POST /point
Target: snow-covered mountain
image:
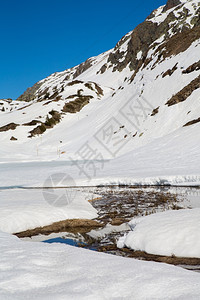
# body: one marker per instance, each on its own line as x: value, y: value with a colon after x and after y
x: 142, y: 97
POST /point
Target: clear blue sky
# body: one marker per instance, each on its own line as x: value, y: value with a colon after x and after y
x: 39, y: 37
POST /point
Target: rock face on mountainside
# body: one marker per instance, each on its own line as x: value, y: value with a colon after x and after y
x: 143, y: 38
x: 170, y: 4
x: 156, y: 64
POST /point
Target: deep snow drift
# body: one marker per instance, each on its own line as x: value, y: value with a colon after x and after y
x: 167, y: 233
x: 21, y: 210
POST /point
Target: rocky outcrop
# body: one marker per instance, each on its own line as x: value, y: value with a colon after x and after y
x: 69, y: 225
x: 145, y: 34
x: 29, y: 94
x: 10, y: 126
x: 77, y: 104
x: 169, y: 72
x: 178, y: 43
x: 170, y: 4
x: 83, y: 67
x: 185, y: 92
x: 192, y: 122
x: 192, y: 68
x: 13, y: 138
x: 49, y: 123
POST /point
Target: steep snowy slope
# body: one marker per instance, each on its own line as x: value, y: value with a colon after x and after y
x: 144, y: 92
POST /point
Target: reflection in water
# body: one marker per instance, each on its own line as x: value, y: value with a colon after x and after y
x: 116, y: 206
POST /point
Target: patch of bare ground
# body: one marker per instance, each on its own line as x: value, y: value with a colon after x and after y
x: 155, y: 111
x: 49, y: 123
x: 70, y: 225
x: 74, y: 82
x: 185, y: 92
x: 77, y: 104
x: 192, y: 68
x: 169, y: 72
x: 192, y: 122
x: 13, y: 138
x: 10, y: 126
x: 32, y: 123
x: 83, y: 67
x: 174, y: 260
x: 180, y: 42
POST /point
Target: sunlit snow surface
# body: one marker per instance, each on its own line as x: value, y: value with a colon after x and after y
x: 167, y: 233
x: 41, y: 271
x: 27, y: 209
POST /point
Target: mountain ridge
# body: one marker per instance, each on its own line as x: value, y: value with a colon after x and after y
x: 153, y: 70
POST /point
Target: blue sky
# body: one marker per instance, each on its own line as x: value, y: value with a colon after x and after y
x: 39, y: 37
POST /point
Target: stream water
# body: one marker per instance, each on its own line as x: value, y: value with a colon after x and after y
x: 116, y: 206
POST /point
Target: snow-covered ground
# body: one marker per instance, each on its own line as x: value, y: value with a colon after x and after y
x: 21, y: 210
x: 166, y: 233
x: 171, y: 159
x: 42, y: 271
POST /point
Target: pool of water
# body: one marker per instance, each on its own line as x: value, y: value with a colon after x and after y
x: 71, y: 242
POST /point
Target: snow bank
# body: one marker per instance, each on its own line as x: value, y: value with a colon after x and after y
x: 42, y: 271
x: 166, y: 233
x: 27, y: 209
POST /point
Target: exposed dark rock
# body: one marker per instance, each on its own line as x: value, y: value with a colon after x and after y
x: 178, y: 43
x: 55, y: 115
x: 74, y: 82
x: 89, y: 86
x: 99, y: 89
x: 169, y: 72
x: 196, y: 19
x: 37, y: 131
x: 77, y: 104
x: 67, y: 78
x: 46, y: 103
x: 103, y: 69
x: 192, y: 68
x: 192, y: 122
x: 10, y: 126
x: 49, y: 123
x: 144, y: 36
x: 170, y: 4
x: 83, y: 67
x: 54, y: 95
x: 155, y: 111
x: 32, y: 123
x: 185, y: 92
x: 29, y: 94
x: 72, y: 96
x: 13, y: 138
